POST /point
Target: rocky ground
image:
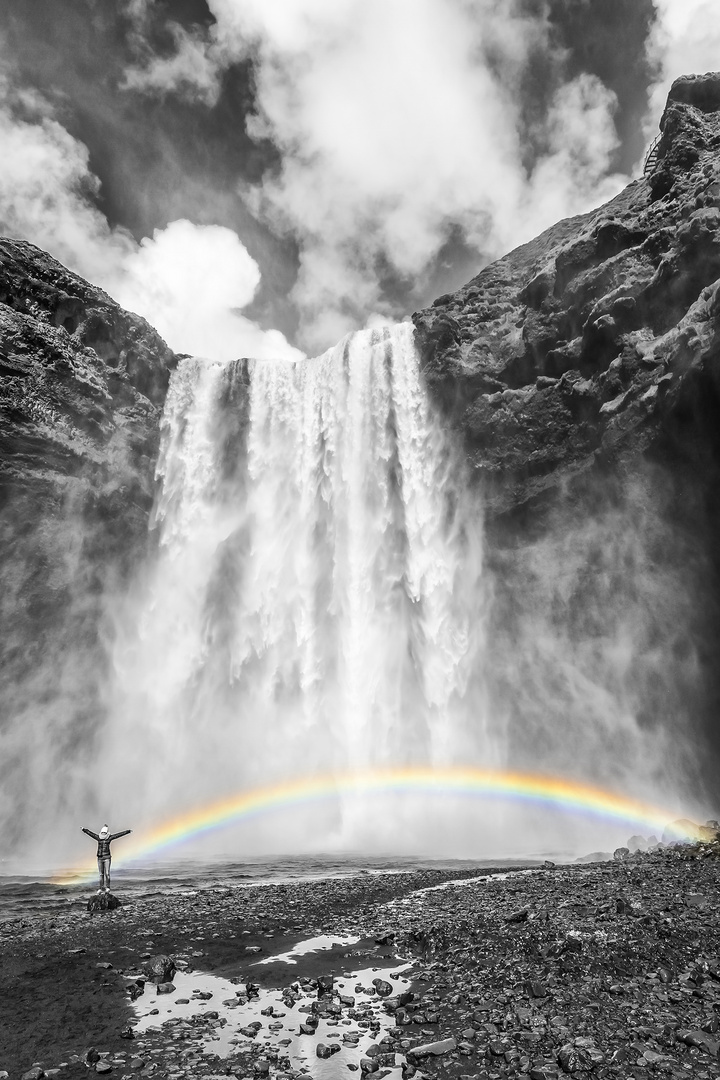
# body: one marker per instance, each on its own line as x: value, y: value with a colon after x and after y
x: 607, y: 969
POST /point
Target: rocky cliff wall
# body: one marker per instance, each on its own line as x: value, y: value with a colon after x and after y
x: 581, y: 374
x: 600, y: 337
x: 82, y: 385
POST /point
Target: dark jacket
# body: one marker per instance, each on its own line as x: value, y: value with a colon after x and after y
x: 103, y: 850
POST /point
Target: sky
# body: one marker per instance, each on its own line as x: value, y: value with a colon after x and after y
x: 258, y: 178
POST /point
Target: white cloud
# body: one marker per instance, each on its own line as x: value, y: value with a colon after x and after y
x: 581, y: 136
x: 394, y: 127
x: 189, y: 281
x: 684, y: 41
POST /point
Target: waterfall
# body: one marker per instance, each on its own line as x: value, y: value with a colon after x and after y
x: 317, y: 602
x: 318, y: 605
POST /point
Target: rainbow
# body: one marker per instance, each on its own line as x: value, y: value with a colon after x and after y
x: 566, y: 795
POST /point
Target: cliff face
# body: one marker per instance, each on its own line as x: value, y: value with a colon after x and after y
x: 82, y: 384
x: 581, y: 374
x: 600, y: 337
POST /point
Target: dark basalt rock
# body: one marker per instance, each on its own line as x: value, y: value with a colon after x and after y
x: 104, y: 901
x: 82, y: 385
x: 589, y: 342
x: 160, y: 969
x: 580, y: 375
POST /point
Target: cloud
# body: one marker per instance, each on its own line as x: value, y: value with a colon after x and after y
x: 189, y: 281
x: 193, y: 70
x: 685, y: 41
x: 398, y: 123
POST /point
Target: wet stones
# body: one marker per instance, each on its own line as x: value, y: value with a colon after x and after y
x: 160, y: 969
x: 434, y: 1049
x: 326, y: 1050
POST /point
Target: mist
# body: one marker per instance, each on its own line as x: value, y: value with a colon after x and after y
x: 325, y: 599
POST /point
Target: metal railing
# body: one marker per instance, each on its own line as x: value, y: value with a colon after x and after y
x: 652, y: 156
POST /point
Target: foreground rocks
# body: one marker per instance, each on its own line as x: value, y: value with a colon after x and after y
x: 614, y: 971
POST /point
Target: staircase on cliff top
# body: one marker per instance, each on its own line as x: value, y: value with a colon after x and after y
x: 652, y: 156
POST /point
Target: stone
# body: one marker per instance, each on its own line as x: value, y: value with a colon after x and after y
x: 160, y: 968
x: 33, y: 1074
x: 434, y: 1049
x: 165, y: 988
x: 382, y: 987
x: 103, y: 1067
x: 682, y: 830
x: 326, y: 1050
x: 574, y: 1059
x: 325, y: 984
x: 127, y: 1032
x: 102, y: 902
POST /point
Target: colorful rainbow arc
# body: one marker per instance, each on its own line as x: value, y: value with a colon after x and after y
x: 548, y: 791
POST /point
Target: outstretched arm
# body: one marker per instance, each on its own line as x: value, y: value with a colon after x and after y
x: 114, y: 836
x: 90, y: 833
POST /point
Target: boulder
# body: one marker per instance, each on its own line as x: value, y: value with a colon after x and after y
x: 681, y: 831
x: 101, y: 902
x: 160, y: 969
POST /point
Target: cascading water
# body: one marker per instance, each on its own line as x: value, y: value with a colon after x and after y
x: 318, y: 605
x: 318, y: 602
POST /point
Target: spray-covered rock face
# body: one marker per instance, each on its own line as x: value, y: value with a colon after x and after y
x: 81, y: 389
x: 581, y: 375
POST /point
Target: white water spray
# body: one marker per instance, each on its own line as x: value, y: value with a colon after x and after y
x: 317, y: 602
x: 319, y: 605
